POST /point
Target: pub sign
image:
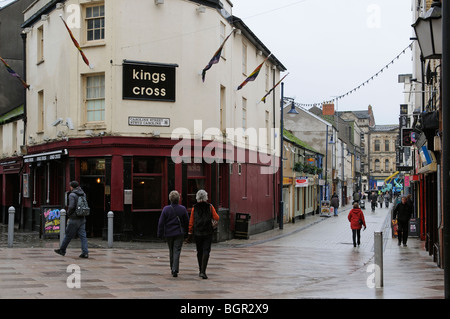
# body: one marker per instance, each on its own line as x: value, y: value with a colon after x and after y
x: 148, y: 81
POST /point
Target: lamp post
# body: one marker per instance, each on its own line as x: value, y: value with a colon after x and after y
x: 292, y: 112
x: 429, y: 32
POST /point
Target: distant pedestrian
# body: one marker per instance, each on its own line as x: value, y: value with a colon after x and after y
x: 200, y: 226
x: 402, y: 212
x: 373, y: 200
x: 335, y: 203
x: 76, y: 224
x: 380, y: 200
x: 356, y: 219
x: 173, y: 226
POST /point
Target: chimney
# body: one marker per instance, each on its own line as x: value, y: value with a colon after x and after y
x: 328, y: 109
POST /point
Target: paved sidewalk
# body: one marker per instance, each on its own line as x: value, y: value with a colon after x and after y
x: 313, y: 258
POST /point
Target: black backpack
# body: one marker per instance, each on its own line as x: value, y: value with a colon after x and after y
x: 82, y: 209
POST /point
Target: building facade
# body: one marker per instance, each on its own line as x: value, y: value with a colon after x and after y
x: 138, y: 121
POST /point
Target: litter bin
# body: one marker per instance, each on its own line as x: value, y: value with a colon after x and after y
x: 242, y: 226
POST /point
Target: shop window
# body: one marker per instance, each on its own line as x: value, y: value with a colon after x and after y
x: 147, y: 183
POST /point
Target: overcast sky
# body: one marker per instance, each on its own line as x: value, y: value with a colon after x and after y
x: 332, y: 46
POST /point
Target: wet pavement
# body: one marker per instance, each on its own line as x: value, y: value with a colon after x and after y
x: 312, y: 258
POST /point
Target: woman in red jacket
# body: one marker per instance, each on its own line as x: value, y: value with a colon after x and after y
x: 356, y: 219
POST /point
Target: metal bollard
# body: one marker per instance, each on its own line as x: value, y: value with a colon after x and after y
x: 12, y: 212
x: 110, y: 229
x: 62, y: 225
x: 378, y: 247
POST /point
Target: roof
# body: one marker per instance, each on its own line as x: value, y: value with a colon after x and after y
x: 238, y: 23
x: 293, y: 139
x: 385, y: 128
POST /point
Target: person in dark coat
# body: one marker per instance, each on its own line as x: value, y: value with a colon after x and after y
x: 335, y: 203
x: 173, y: 225
x: 402, y: 212
x: 75, y: 225
x: 200, y: 226
x: 356, y: 219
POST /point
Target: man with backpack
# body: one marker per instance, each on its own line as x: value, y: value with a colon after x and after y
x: 77, y: 211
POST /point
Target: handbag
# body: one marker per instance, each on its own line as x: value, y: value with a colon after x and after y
x: 214, y: 223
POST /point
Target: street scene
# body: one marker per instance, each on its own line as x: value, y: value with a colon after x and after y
x: 313, y: 258
x: 224, y: 150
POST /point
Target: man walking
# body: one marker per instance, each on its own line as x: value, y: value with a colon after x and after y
x: 402, y: 212
x: 76, y: 224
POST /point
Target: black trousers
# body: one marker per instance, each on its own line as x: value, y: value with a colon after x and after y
x: 203, y: 245
x: 402, y: 232
x: 356, y: 235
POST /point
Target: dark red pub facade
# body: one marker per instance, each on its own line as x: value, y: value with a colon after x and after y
x: 132, y: 177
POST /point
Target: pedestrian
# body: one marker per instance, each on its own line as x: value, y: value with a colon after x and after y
x: 386, y: 199
x: 373, y: 200
x: 356, y: 219
x: 335, y: 203
x: 201, y: 228
x: 380, y: 200
x: 76, y: 224
x: 356, y: 196
x: 402, y: 212
x: 173, y: 225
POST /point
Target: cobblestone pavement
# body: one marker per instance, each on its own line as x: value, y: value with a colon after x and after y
x: 312, y: 258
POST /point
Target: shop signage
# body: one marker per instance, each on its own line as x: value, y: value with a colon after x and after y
x: 51, y: 222
x: 44, y: 157
x: 148, y: 121
x: 148, y: 81
x: 301, y: 181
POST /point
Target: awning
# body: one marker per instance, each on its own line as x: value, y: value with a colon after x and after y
x: 44, y: 157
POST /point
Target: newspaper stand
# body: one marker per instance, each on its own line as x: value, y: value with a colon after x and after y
x: 326, y: 209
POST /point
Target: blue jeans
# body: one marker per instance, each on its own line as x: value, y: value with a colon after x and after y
x: 75, y: 226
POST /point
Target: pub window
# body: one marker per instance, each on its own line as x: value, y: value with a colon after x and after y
x: 244, y: 58
x: 40, y: 44
x: 95, y: 98
x: 95, y: 23
x: 147, y: 183
x: 196, y: 180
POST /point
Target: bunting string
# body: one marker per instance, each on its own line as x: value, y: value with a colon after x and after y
x: 336, y: 98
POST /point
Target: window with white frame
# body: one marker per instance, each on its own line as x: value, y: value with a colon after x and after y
x: 95, y: 98
x: 95, y: 23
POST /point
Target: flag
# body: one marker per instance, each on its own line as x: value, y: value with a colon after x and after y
x: 254, y: 74
x: 268, y: 93
x: 77, y: 45
x: 216, y: 57
x: 14, y: 74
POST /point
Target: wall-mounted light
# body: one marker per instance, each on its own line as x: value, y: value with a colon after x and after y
x: 45, y: 17
x: 201, y: 9
x: 159, y: 1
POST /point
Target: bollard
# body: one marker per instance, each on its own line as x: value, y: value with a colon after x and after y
x: 378, y: 247
x: 11, y: 212
x: 110, y: 229
x: 62, y: 226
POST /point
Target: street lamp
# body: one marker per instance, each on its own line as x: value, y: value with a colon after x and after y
x: 429, y: 32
